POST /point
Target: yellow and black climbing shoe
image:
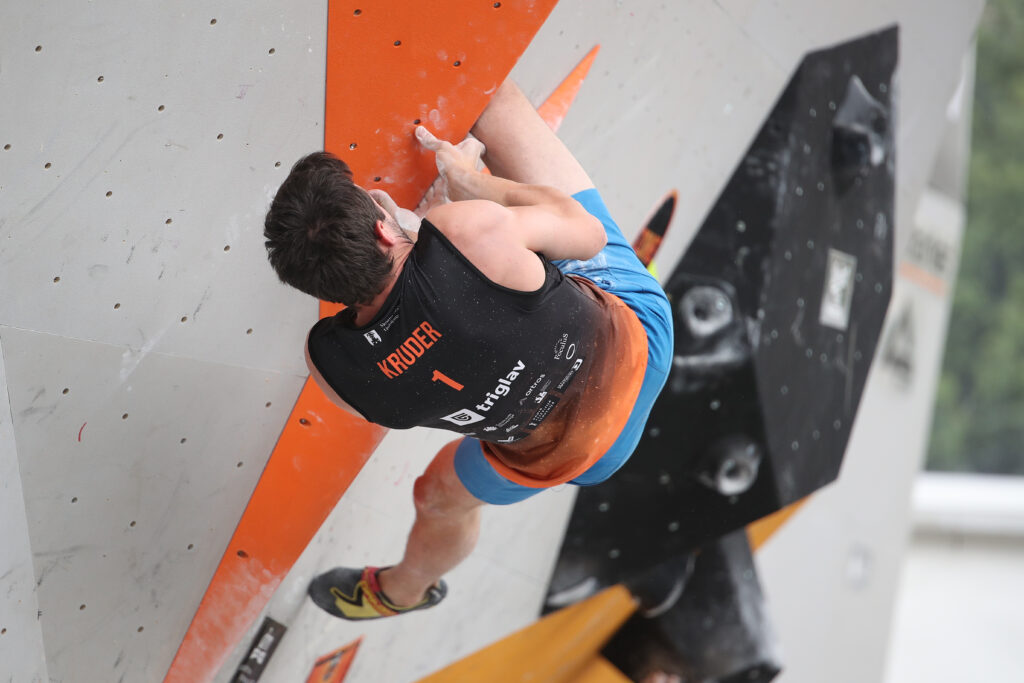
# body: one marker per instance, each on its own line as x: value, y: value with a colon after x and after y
x: 355, y: 594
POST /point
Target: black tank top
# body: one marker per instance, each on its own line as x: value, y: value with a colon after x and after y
x: 453, y: 350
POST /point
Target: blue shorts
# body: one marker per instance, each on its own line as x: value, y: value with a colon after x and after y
x: 615, y: 269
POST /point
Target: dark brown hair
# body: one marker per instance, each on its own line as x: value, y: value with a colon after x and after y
x: 320, y: 236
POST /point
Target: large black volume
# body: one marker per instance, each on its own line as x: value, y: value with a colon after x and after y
x: 778, y: 305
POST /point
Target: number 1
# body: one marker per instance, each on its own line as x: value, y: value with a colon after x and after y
x: 440, y: 376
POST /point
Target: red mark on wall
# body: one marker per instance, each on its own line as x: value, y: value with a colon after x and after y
x: 80, y: 432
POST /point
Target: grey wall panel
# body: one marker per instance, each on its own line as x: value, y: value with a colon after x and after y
x: 133, y: 481
x: 189, y: 132
x: 679, y: 89
x: 676, y: 94
x: 21, y: 640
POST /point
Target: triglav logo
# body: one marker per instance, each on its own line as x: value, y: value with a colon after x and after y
x: 503, y: 387
x: 372, y: 337
x: 463, y: 417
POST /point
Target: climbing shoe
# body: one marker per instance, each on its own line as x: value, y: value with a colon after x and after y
x: 355, y: 594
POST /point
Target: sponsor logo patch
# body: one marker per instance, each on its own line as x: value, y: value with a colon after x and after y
x: 463, y: 417
x: 569, y: 376
x: 542, y: 412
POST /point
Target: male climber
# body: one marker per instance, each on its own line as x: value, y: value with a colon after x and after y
x: 517, y: 316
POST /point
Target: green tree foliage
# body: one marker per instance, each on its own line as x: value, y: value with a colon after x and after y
x: 979, y: 415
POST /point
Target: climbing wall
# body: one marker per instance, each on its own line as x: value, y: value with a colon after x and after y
x: 151, y: 361
x: 150, y: 356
